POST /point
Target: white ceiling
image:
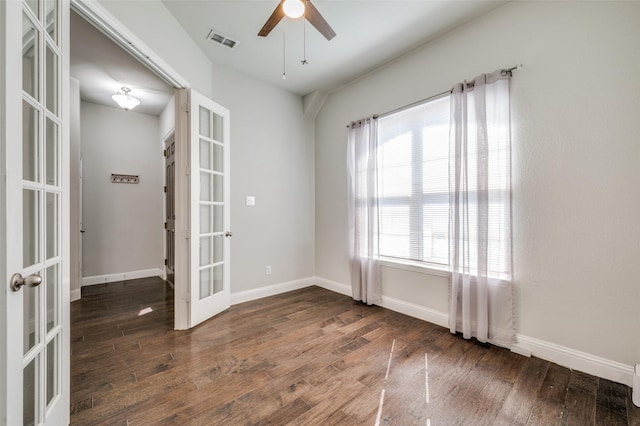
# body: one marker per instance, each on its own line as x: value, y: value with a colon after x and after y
x: 370, y: 33
x: 103, y: 68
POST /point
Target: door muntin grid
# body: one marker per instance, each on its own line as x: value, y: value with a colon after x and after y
x: 211, y: 203
x: 41, y: 208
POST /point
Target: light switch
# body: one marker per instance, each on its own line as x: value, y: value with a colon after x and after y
x: 251, y: 200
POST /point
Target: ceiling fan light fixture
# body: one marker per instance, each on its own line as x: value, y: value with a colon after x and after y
x: 293, y: 8
x: 126, y: 101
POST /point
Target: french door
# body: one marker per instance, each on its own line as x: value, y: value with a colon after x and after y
x: 35, y: 270
x: 209, y: 225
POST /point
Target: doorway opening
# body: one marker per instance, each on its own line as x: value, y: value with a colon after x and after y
x: 118, y: 226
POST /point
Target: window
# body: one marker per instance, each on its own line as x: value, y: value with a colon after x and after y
x: 413, y: 167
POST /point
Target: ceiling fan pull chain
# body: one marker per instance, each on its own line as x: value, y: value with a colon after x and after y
x: 304, y: 43
x: 284, y: 57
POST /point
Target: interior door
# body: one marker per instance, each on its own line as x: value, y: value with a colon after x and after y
x: 170, y: 210
x: 209, y: 225
x: 36, y: 200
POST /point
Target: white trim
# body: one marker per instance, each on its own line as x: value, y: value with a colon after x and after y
x: 575, y: 360
x: 75, y: 295
x: 181, y: 316
x: 110, y: 278
x: 526, y: 346
x: 397, y: 305
x: 416, y: 311
x: 333, y: 286
x: 123, y: 37
x: 270, y: 290
x: 420, y: 267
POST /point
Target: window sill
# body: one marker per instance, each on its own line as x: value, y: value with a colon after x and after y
x: 407, y: 265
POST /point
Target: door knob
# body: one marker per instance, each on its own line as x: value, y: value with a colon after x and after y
x: 228, y: 234
x: 17, y: 281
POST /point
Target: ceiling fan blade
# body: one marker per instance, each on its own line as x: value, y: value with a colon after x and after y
x: 315, y: 18
x: 273, y: 20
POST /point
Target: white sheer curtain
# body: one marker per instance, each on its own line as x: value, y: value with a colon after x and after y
x: 481, y: 293
x: 364, y: 239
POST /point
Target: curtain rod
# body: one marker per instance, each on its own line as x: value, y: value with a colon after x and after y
x: 503, y: 72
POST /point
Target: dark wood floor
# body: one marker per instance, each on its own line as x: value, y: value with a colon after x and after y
x: 309, y: 357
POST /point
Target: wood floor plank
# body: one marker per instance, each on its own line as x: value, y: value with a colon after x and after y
x: 580, y: 408
x: 506, y: 364
x: 549, y: 406
x: 580, y: 403
x: 308, y: 357
x: 611, y: 403
x: 519, y: 404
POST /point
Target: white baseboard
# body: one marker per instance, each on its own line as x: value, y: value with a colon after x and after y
x: 132, y: 275
x: 333, y: 286
x: 397, y: 305
x: 270, y: 290
x: 527, y: 346
x: 75, y: 295
x: 416, y: 311
x: 575, y: 360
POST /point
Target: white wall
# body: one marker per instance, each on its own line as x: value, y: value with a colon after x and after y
x: 123, y: 222
x: 576, y: 150
x: 167, y: 120
x: 272, y: 158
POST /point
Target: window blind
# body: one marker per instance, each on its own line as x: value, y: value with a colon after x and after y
x: 413, y: 182
x: 413, y: 170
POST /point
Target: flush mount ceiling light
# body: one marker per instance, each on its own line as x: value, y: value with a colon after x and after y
x: 293, y: 8
x: 126, y: 101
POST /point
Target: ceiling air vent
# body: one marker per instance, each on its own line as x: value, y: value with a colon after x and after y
x: 216, y: 37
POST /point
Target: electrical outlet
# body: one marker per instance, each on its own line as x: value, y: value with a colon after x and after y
x: 251, y: 200
x: 268, y: 270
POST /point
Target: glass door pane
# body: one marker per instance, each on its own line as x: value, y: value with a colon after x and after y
x: 51, y: 152
x: 53, y: 296
x: 30, y: 304
x: 30, y: 142
x: 51, y: 19
x: 29, y: 409
x: 52, y: 370
x: 51, y: 225
x: 30, y: 75
x: 51, y: 80
x: 30, y: 227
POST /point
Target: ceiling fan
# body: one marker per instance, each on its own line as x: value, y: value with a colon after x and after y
x: 296, y: 9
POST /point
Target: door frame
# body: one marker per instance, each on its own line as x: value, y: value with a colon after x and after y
x: 95, y: 14
x: 182, y: 197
